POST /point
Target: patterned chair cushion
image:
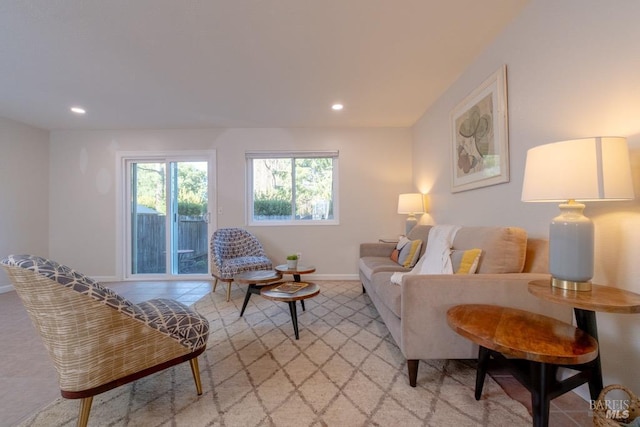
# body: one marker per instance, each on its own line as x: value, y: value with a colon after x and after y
x: 233, y: 266
x: 72, y: 279
x: 190, y: 327
x: 169, y: 317
x: 235, y: 250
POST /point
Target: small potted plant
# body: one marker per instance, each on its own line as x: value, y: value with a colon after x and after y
x: 292, y: 261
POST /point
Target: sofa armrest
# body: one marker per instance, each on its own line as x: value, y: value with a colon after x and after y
x: 376, y: 249
x: 426, y: 299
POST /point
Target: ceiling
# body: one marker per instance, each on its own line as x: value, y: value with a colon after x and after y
x: 236, y: 63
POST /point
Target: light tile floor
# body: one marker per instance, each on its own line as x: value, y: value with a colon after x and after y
x: 28, y: 381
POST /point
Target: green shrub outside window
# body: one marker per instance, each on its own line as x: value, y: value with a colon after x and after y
x: 292, y: 187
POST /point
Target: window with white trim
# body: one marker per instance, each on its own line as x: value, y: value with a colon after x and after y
x: 292, y: 188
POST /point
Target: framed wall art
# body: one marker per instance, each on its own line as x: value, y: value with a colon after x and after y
x: 480, y: 141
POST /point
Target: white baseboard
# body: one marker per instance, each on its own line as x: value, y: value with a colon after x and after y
x: 331, y: 277
x: 5, y: 288
x: 107, y: 279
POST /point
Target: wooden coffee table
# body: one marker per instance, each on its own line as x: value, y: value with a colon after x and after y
x: 309, y: 291
x: 537, y: 346
x: 255, y: 279
x: 296, y: 272
x: 301, y: 269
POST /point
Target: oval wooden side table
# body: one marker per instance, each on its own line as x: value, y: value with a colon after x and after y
x: 536, y: 347
x: 585, y: 304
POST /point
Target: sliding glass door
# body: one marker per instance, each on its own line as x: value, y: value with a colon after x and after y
x: 168, y: 216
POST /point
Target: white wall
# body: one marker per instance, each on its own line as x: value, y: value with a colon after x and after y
x: 573, y: 71
x: 374, y: 167
x: 24, y: 193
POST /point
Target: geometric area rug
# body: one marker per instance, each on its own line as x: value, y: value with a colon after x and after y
x: 345, y: 370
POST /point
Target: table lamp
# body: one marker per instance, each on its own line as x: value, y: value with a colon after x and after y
x: 411, y: 204
x: 579, y: 170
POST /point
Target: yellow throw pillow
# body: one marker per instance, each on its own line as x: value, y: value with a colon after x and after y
x: 409, y: 253
x: 465, y: 262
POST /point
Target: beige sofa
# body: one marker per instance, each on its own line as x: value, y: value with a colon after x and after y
x: 415, y: 311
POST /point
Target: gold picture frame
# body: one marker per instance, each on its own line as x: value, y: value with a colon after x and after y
x: 480, y: 140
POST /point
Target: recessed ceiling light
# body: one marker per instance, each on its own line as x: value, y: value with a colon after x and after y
x: 337, y: 107
x: 78, y: 110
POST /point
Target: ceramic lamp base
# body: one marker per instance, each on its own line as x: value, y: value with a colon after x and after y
x: 411, y: 222
x: 571, y: 248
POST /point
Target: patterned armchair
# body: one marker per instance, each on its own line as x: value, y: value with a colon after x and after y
x: 97, y: 339
x: 234, y: 250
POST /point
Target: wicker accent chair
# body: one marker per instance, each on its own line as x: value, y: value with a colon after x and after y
x: 234, y: 250
x: 97, y: 339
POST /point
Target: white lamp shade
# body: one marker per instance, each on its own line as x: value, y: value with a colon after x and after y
x: 586, y: 169
x: 410, y: 203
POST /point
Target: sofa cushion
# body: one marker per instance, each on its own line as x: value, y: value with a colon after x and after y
x: 387, y: 292
x: 373, y: 264
x: 420, y: 232
x: 537, y: 256
x: 503, y: 248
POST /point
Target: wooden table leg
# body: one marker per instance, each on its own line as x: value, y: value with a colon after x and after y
x: 586, y: 320
x: 296, y: 278
x: 483, y: 363
x: 294, y: 317
x: 542, y: 378
x: 252, y: 289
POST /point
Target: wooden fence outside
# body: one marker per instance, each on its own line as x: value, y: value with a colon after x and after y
x: 193, y: 243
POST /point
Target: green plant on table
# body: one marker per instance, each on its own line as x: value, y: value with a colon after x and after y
x: 293, y: 257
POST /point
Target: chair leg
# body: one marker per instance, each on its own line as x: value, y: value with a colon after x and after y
x: 229, y: 291
x: 215, y: 284
x: 85, y: 409
x: 195, y: 370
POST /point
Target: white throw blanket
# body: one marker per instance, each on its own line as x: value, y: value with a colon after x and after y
x: 437, y: 256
